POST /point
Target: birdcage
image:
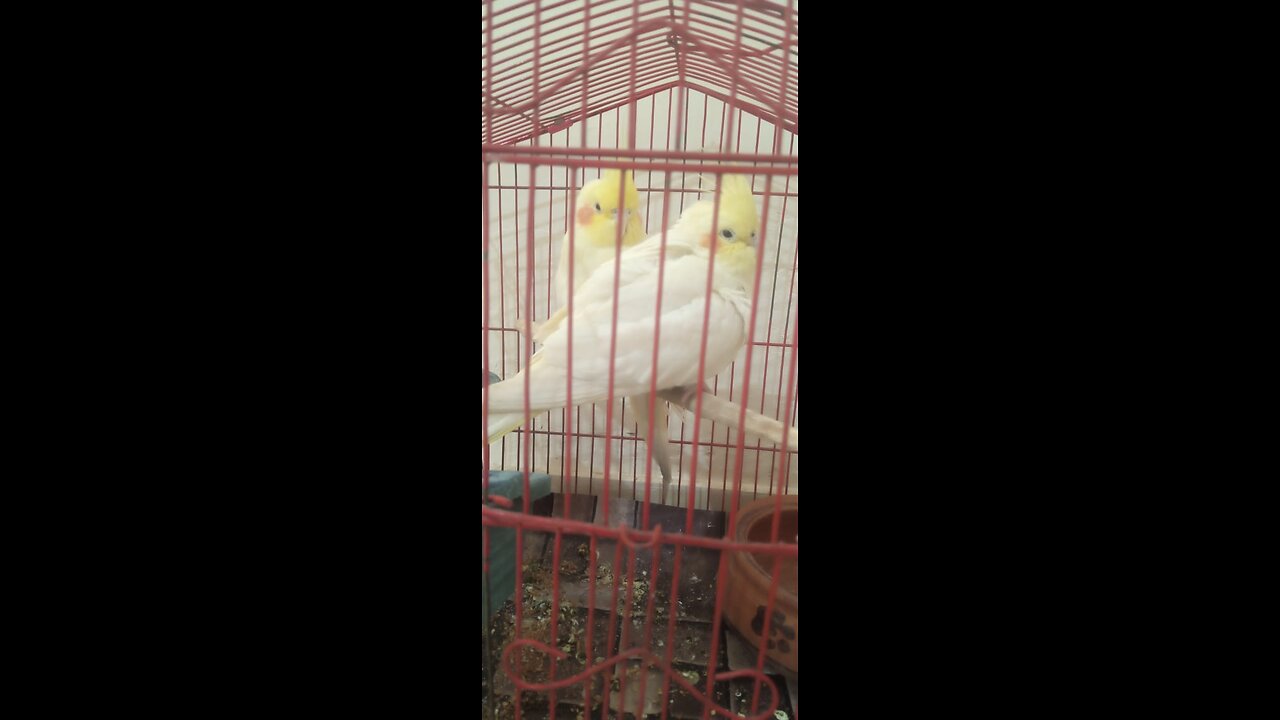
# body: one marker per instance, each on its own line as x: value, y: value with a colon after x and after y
x: 604, y: 596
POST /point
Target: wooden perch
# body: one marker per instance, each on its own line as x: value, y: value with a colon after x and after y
x: 724, y: 411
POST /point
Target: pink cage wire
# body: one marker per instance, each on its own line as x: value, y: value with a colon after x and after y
x: 571, y: 88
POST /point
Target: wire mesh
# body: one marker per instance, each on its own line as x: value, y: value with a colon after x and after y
x: 678, y: 92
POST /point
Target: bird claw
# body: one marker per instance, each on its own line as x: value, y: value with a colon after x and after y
x: 520, y: 328
x: 689, y: 396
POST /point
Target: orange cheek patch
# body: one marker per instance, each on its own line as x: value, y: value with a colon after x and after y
x: 584, y: 215
x: 706, y: 241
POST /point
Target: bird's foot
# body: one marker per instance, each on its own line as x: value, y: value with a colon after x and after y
x: 689, y: 395
x: 527, y: 332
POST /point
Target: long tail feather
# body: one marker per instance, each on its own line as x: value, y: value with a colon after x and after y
x: 724, y: 411
x: 502, y: 424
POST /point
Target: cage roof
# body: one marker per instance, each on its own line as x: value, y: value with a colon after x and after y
x: 540, y: 76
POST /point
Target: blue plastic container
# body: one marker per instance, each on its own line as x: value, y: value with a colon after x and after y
x: 502, y: 541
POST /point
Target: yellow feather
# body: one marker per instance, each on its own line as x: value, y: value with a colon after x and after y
x: 605, y: 192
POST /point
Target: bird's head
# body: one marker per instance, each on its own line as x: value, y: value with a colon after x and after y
x: 597, y: 207
x: 737, y: 223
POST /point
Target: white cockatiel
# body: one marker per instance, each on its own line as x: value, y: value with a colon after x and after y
x: 596, y: 215
x: 597, y: 212
x: 684, y: 302
x: 595, y: 219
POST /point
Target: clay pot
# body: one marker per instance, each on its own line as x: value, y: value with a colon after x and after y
x: 750, y: 575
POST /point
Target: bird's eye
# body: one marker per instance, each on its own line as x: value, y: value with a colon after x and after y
x: 726, y: 234
x: 597, y: 207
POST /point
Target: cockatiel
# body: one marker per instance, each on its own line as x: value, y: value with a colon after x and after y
x: 596, y: 214
x: 684, y: 297
x: 595, y: 242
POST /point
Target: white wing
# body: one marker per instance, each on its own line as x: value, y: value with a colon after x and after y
x: 684, y: 304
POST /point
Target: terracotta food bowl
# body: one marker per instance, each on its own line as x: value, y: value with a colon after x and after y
x: 750, y: 575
